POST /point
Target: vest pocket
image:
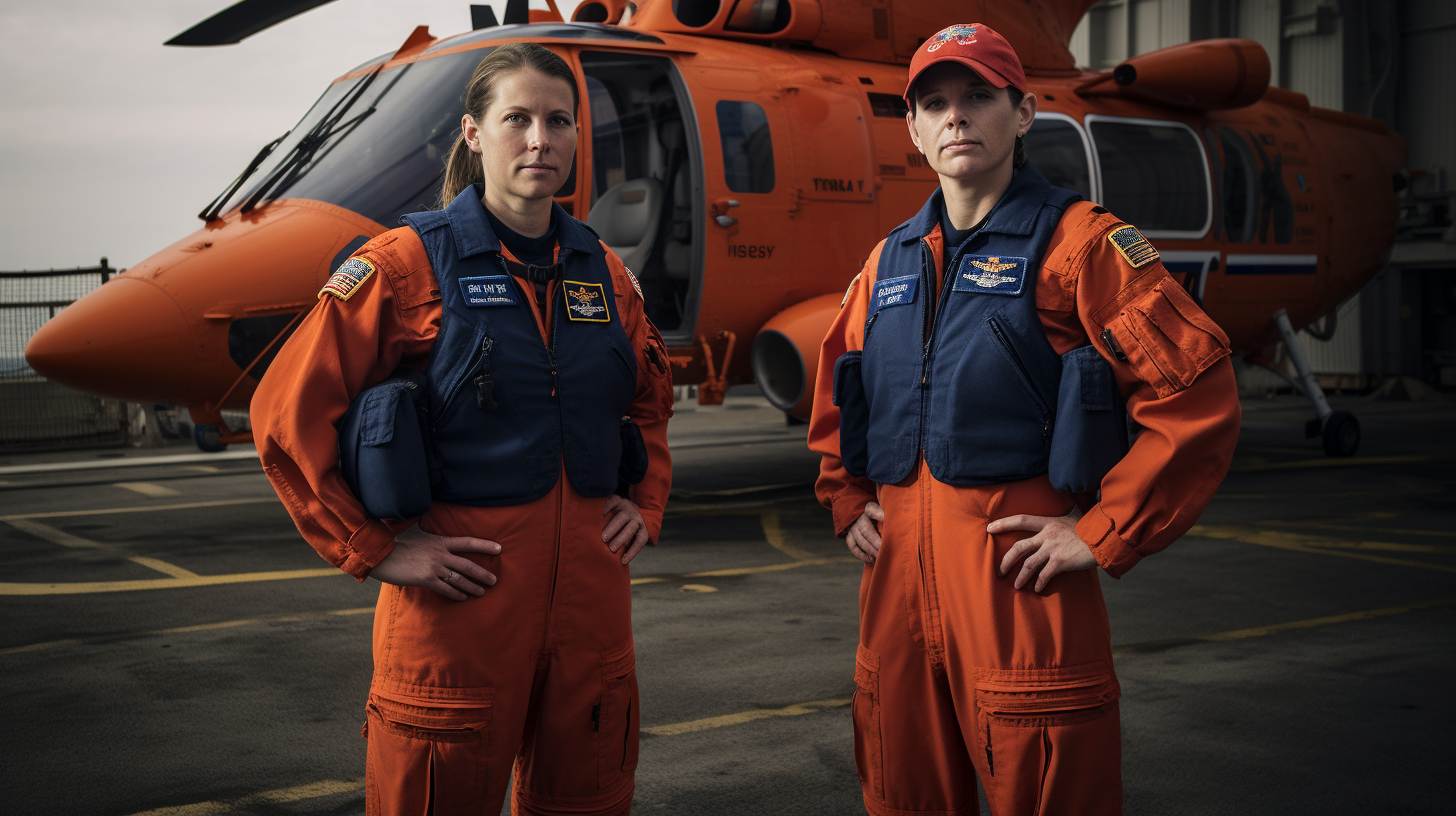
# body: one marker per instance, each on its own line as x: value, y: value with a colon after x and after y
x: 1089, y: 436
x: 477, y: 373
x: 1008, y: 350
x: 427, y: 749
x: 854, y: 413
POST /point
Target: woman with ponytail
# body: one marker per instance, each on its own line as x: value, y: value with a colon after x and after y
x: 539, y: 393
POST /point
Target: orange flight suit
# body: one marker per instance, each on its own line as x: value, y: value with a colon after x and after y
x: 540, y: 668
x: 958, y: 671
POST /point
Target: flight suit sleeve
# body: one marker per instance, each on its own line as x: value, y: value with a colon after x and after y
x: 354, y: 337
x: 844, y: 495
x: 652, y: 405
x: 1172, y: 364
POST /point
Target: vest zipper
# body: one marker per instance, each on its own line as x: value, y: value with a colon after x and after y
x: 932, y: 316
x: 1005, y: 342
x: 484, y: 382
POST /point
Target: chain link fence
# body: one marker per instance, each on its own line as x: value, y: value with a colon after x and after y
x: 36, y: 414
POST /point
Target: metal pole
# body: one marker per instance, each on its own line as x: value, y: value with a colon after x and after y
x: 1301, y: 365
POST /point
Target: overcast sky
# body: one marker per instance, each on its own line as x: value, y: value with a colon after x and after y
x: 110, y: 142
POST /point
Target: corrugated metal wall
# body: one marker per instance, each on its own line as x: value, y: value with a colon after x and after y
x: 1314, y: 64
x: 1424, y: 97
x: 1261, y: 21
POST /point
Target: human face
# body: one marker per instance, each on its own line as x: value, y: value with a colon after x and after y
x: 966, y: 128
x: 526, y: 139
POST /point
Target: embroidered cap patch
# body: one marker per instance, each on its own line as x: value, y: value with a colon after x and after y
x: 347, y: 279
x: 990, y: 275
x: 1133, y: 247
x: 586, y: 302
x: 895, y: 292
x: 487, y: 290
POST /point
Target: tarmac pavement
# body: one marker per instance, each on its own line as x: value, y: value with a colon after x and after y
x: 173, y: 647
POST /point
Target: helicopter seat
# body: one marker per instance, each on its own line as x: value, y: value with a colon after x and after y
x: 627, y: 218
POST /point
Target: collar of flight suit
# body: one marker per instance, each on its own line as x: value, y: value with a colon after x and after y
x: 1014, y: 214
x: 473, y: 234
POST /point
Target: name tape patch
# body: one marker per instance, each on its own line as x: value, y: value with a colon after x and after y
x: 990, y: 275
x: 347, y: 279
x: 1133, y: 247
x: 487, y: 290
x: 586, y: 302
x: 895, y: 292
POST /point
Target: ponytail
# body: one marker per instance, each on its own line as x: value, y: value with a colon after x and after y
x: 463, y: 167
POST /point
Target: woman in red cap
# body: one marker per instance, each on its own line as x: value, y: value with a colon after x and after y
x: 970, y: 400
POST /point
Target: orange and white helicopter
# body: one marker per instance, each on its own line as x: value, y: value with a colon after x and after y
x: 743, y: 157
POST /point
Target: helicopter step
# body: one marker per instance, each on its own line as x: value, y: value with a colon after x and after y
x: 1340, y: 429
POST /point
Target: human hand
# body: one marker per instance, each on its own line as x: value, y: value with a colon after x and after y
x: 863, y: 537
x: 434, y: 562
x: 625, y: 529
x: 1055, y: 548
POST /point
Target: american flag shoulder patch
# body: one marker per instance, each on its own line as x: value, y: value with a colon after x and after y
x: 347, y: 279
x: 1132, y: 246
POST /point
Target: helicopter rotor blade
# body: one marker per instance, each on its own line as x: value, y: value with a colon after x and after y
x: 482, y: 17
x: 518, y: 12
x: 242, y: 20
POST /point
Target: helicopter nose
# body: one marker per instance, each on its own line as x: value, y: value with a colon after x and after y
x: 117, y: 342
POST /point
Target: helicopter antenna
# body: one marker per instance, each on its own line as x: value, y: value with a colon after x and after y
x: 482, y: 17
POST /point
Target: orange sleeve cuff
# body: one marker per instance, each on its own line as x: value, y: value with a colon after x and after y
x: 1113, y: 555
x: 367, y: 546
x: 848, y: 505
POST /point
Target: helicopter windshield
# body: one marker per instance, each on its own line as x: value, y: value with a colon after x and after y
x: 386, y: 155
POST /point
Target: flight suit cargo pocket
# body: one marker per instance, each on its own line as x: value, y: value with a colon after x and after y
x: 1168, y: 340
x: 1089, y: 436
x: 427, y: 751
x: 868, y: 745
x: 854, y: 413
x: 1025, y: 717
x: 617, y: 721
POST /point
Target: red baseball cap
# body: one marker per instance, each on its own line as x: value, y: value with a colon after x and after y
x: 975, y: 46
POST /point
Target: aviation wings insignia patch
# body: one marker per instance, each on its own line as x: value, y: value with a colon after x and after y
x: 991, y: 275
x: 1132, y: 246
x: 586, y: 302
x: 347, y: 279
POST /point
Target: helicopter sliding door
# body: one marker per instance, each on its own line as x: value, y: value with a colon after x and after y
x: 646, y: 180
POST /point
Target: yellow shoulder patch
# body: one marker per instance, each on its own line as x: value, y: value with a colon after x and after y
x: 347, y: 279
x: 849, y: 289
x: 1132, y: 246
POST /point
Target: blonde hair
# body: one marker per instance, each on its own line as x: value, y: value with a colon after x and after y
x: 463, y: 168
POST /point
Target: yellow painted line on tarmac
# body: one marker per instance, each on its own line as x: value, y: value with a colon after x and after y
x: 708, y: 723
x: 1264, y: 631
x: 807, y: 562
x: 1329, y: 462
x: 1294, y: 542
x: 249, y: 804
x: 106, y: 511
x: 65, y: 539
x: 155, y: 491
x: 200, y: 627
x: 773, y: 530
x: 1405, y: 531
x: 94, y: 587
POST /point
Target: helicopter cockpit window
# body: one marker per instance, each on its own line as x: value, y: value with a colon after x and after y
x: 748, y: 162
x: 1055, y: 148
x: 1239, y: 188
x: 645, y: 178
x: 1153, y: 175
x: 383, y: 153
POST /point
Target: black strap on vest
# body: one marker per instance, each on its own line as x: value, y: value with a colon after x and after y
x: 538, y: 275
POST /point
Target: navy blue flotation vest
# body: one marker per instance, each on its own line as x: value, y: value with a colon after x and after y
x: 974, y: 382
x: 505, y: 408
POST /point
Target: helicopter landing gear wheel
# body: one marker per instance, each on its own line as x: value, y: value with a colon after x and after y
x: 1342, y: 434
x: 208, y: 438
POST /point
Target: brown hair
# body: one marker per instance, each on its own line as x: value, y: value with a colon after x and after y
x: 463, y: 169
